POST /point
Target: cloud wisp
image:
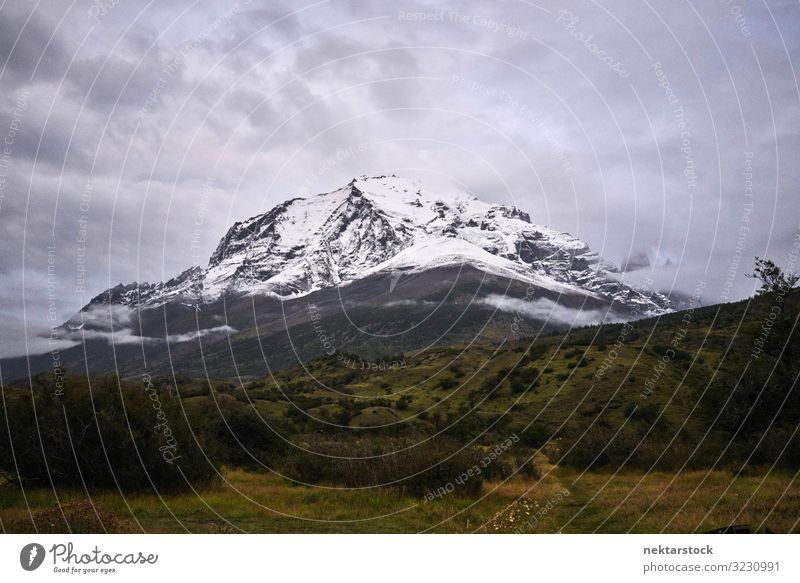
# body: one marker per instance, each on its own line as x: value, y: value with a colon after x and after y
x: 547, y: 310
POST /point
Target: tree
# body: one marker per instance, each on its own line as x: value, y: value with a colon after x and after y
x: 772, y: 277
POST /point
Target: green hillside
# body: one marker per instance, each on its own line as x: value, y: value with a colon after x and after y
x: 631, y: 388
x: 698, y: 403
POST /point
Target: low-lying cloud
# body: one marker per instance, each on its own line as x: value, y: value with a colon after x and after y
x: 548, y: 310
x: 122, y: 336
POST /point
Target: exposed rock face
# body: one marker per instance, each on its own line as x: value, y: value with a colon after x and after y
x: 384, y: 223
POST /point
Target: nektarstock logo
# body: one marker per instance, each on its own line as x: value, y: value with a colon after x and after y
x: 31, y: 556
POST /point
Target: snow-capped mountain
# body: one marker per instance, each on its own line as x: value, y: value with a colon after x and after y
x: 386, y: 224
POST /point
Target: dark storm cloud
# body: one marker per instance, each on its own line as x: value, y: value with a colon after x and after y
x: 27, y: 48
x: 148, y: 129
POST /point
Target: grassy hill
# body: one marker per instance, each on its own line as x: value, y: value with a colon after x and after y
x: 699, y: 405
x: 677, y: 378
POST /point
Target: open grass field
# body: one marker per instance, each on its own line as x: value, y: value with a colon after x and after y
x: 563, y: 500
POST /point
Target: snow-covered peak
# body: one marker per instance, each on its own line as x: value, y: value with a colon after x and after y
x: 394, y: 193
x: 385, y: 223
x: 409, y: 200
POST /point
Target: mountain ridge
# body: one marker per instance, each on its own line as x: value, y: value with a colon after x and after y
x: 386, y: 224
x: 379, y: 266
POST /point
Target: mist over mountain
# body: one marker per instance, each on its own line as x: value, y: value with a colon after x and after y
x: 379, y: 266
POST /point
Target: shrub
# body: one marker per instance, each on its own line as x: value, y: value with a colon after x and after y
x: 447, y: 383
x: 456, y: 370
x: 112, y: 435
x: 517, y: 386
x: 414, y: 468
x: 238, y: 436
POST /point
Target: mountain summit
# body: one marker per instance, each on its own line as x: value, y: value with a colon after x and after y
x: 379, y: 267
x: 385, y: 224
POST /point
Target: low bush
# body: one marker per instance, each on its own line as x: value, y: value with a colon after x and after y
x: 416, y: 469
x: 116, y: 435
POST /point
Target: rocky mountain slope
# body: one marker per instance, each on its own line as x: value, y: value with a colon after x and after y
x: 379, y: 267
x: 384, y: 224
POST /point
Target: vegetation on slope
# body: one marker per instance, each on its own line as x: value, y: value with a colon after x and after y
x: 711, y: 389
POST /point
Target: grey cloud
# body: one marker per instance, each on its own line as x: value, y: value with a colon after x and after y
x: 26, y: 47
x: 500, y: 116
x: 548, y: 310
x: 128, y: 336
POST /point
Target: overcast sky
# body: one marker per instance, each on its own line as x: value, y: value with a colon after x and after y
x: 649, y: 129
